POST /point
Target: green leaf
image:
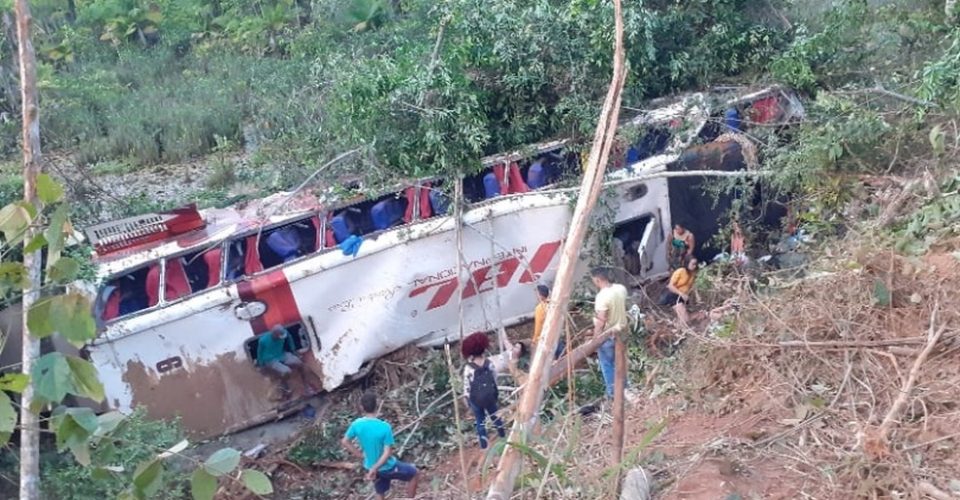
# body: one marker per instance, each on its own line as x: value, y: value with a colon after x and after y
x: 880, y: 293
x: 51, y: 377
x: 69, y: 315
x: 39, y: 318
x: 203, y: 485
x: 56, y: 375
x: 257, y: 482
x: 14, y: 220
x: 14, y: 382
x: 937, y: 140
x: 148, y: 477
x: 13, y: 277
x: 74, y: 428
x: 222, y: 462
x: 65, y: 270
x: 108, y: 422
x: 48, y: 190
x: 39, y: 241
x: 55, y: 234
x: 86, y: 382
x: 8, y: 417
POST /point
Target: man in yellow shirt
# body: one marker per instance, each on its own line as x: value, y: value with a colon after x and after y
x: 610, y: 320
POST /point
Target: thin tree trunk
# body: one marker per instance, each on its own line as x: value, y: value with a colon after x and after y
x: 619, y: 386
x: 532, y: 397
x: 29, y: 104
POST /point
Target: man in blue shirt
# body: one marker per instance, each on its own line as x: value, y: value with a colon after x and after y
x: 375, y: 440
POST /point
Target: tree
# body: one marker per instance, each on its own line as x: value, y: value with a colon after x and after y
x: 29, y: 105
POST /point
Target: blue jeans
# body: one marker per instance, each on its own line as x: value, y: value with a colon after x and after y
x: 606, y: 354
x: 561, y: 346
x: 481, y: 415
x: 401, y: 471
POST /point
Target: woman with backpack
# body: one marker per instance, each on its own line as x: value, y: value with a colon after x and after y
x: 480, y: 384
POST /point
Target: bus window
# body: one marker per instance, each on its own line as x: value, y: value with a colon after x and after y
x: 370, y: 216
x: 288, y: 242
x: 128, y: 293
x: 192, y: 273
x: 433, y: 200
x: 243, y: 258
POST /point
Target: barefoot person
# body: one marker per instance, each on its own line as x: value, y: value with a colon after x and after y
x: 679, y: 288
x: 681, y: 246
x: 480, y: 390
x: 371, y: 439
x: 275, y: 352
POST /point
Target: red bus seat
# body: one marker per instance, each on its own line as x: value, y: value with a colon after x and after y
x: 112, y: 308
x: 153, y: 285
x: 251, y: 261
x: 212, y: 259
x: 176, y: 284
x: 517, y: 185
x: 426, y: 211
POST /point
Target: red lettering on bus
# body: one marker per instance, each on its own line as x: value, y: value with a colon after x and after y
x: 481, y: 279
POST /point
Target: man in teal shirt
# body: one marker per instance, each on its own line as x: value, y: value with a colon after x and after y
x: 375, y: 439
x: 275, y: 353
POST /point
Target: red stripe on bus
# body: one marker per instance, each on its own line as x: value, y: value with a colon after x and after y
x: 274, y: 291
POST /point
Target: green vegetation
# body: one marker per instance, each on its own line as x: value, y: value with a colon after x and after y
x: 134, y: 441
x: 426, y: 87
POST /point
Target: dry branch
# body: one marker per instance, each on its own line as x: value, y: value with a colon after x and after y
x: 876, y: 442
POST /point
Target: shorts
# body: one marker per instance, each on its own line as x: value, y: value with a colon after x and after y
x: 401, y: 471
x: 282, y: 366
x: 671, y: 298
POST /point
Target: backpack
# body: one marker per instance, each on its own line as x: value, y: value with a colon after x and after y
x: 483, y: 387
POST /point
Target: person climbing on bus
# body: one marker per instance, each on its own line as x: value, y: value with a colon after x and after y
x: 480, y: 390
x: 681, y: 246
x: 275, y: 352
x: 371, y: 439
x: 679, y: 288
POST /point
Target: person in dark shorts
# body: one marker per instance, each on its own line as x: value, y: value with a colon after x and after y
x: 371, y: 439
x: 679, y: 288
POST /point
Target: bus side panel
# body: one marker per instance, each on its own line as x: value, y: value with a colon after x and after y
x: 190, y: 364
x: 366, y: 307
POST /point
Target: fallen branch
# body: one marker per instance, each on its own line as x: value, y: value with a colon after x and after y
x: 876, y: 442
x: 932, y: 441
x: 932, y: 491
x: 841, y: 344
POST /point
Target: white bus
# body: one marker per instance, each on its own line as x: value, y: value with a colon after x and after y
x: 184, y: 294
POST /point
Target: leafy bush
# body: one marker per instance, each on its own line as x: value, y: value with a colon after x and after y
x: 138, y: 439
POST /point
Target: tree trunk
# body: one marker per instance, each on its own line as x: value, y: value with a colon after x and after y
x: 29, y: 105
x: 619, y: 385
x: 532, y: 397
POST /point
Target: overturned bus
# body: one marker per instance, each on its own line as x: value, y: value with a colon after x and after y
x: 184, y: 294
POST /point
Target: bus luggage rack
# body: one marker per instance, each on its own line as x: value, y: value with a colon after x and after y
x: 123, y: 233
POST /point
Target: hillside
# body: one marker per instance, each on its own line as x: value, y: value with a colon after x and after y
x: 827, y: 371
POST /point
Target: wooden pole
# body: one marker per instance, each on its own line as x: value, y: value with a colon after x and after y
x: 29, y: 105
x: 619, y: 386
x: 532, y: 396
